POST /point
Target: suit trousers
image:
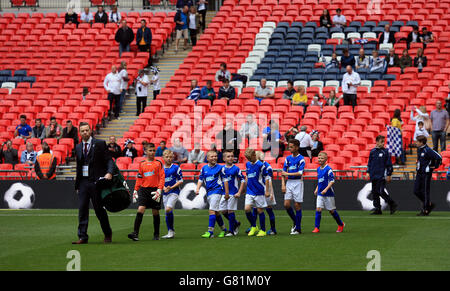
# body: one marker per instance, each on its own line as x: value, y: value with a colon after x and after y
x: 113, y: 98
x: 422, y: 188
x: 378, y: 190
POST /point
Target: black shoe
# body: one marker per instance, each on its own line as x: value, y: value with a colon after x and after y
x: 393, y: 207
x: 133, y: 236
x: 376, y: 212
x: 432, y: 206
x: 156, y: 237
x: 421, y: 213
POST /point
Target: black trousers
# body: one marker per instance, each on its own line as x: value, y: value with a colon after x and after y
x: 193, y: 34
x: 147, y: 48
x: 114, y: 99
x: 141, y: 103
x: 350, y: 99
x: 422, y: 188
x: 203, y: 14
x: 86, y: 193
x: 378, y: 190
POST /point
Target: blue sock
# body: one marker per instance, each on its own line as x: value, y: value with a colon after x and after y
x: 337, y: 218
x: 290, y: 211
x: 231, y: 218
x: 212, y: 221
x: 271, y: 218
x: 262, y: 221
x: 226, y: 215
x: 298, y: 219
x: 219, y: 221
x: 251, y: 219
x: 255, y: 213
x: 169, y: 220
x: 318, y: 218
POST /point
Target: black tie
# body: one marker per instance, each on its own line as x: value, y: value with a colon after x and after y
x: 85, y: 149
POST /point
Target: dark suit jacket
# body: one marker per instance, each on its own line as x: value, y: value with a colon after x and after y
x: 391, y: 37
x: 103, y: 19
x: 396, y: 61
x: 99, y: 161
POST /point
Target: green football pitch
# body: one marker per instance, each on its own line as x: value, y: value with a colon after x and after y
x: 41, y: 239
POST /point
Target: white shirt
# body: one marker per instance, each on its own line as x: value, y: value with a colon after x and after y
x: 89, y: 142
x: 114, y: 17
x: 339, y: 19
x: 414, y: 37
x: 386, y: 37
x: 192, y: 21
x: 420, y: 132
x: 86, y: 17
x: 124, y: 84
x: 141, y: 90
x: 354, y: 79
x: 305, y: 139
x: 41, y: 152
x: 156, y: 85
x: 112, y: 83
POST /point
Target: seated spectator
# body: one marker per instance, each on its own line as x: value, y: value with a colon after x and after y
x: 376, y: 62
x: 45, y: 166
x: 160, y: 150
x: 54, y: 130
x: 290, y: 91
x: 387, y: 36
x: 114, y: 148
x: 249, y: 129
x: 10, y: 155
x: 347, y: 59
x: 420, y: 130
x: 291, y: 133
x: 405, y: 60
x: 333, y: 63
x: 420, y: 61
x: 29, y: 155
x: 129, y: 150
x: 272, y: 140
x: 325, y: 19
x: 71, y: 17
x: 332, y: 99
x: 223, y: 73
x: 207, y: 92
x: 413, y: 36
x: 38, y: 129
x: 339, y: 20
x: 86, y: 16
x: 124, y: 37
x: 195, y: 91
x: 23, y: 130
x: 196, y: 156
x: 231, y: 139
x: 181, y: 154
x: 317, y: 146
x: 227, y: 91
x: 101, y: 16
x: 114, y: 16
x: 362, y: 61
x: 70, y: 132
x: 426, y: 36
x: 316, y: 101
x: 263, y: 92
x: 392, y: 59
x: 300, y: 98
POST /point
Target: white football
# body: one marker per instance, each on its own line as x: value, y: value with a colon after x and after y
x: 19, y: 196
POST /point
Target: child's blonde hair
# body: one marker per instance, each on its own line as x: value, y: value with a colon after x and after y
x: 248, y: 153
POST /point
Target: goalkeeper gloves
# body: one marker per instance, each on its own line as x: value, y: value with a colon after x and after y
x: 156, y: 195
x: 135, y: 196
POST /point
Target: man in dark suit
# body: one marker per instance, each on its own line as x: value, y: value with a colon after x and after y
x: 93, y: 162
x: 387, y: 36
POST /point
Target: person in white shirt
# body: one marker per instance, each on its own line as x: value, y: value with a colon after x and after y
x: 196, y: 156
x: 350, y: 83
x: 112, y: 84
x: 155, y: 81
x: 124, y: 83
x: 114, y: 16
x: 142, y: 83
x: 249, y: 129
x: 194, y: 23
x: 202, y: 9
x: 420, y: 130
x: 376, y: 63
x: 422, y: 116
x: 86, y: 16
x: 387, y: 36
x: 339, y: 20
x: 306, y: 142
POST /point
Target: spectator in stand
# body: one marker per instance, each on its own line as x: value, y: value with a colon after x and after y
x: 160, y: 150
x: 28, y: 155
x: 155, y: 81
x: 263, y: 92
x: 347, y: 59
x: 291, y: 133
x: 333, y: 100
x: 422, y: 115
x: 420, y: 130
x: 223, y: 73
x: 112, y: 85
x: 101, y: 16
x: 114, y: 148
x: 85, y: 93
x: 272, y: 140
x: 392, y: 59
x: 123, y: 74
x: 387, y: 36
x: 196, y: 156
x: 202, y: 7
x: 144, y: 40
x: 350, y: 82
x: 54, y: 130
x: 195, y: 91
x: 333, y: 63
x: 420, y: 61
x: 226, y: 92
x: 306, y: 142
x: 231, y: 139
x: 70, y: 131
x: 426, y: 37
x: 317, y: 146
x: 10, y: 155
x: 316, y: 101
x: 290, y: 91
x: 325, y: 19
x: 194, y: 24
x: 23, y: 130
x: 207, y: 92
x: 86, y: 16
x: 397, y: 122
x: 38, y: 129
x: 44, y: 146
x: 181, y: 19
x: 114, y: 16
x: 181, y: 153
x: 71, y: 17
x: 405, y: 60
x: 300, y: 98
x: 142, y: 83
x: 129, y: 150
x: 440, y: 122
x: 413, y: 36
x: 376, y: 63
x: 339, y: 20
x: 124, y: 36
x: 45, y: 166
x: 362, y: 61
x: 249, y: 129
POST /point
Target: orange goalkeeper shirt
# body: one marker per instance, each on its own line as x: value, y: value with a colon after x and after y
x: 151, y: 174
